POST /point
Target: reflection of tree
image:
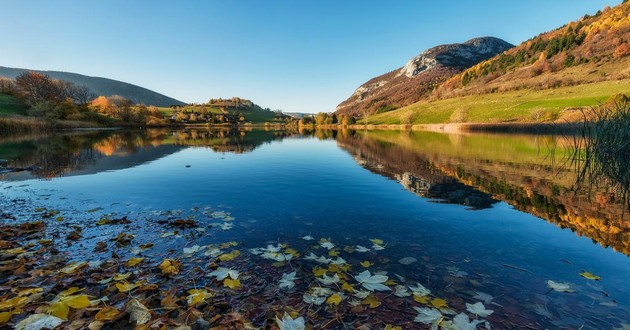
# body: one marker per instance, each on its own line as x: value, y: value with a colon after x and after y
x: 228, y: 140
x: 530, y: 187
x: 414, y: 172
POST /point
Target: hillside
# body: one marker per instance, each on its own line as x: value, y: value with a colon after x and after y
x: 419, y: 76
x: 547, y: 78
x: 104, y: 86
x: 598, y: 46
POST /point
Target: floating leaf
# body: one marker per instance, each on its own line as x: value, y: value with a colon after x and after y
x: 347, y: 287
x: 392, y: 327
x: 362, y: 249
x: 407, y: 260
x: 335, y: 299
x: 421, y: 299
x: 192, y: 250
x: 590, y: 276
x: 560, y: 287
x: 478, y: 309
x: 77, y: 302
x: 440, y: 303
x: 307, y: 237
x: 59, y: 310
x: 120, y: 277
x: 419, y: 290
x: 318, y: 271
x: 39, y: 321
x: 288, y: 323
x: 366, y: 264
x: 138, y: 313
x: 107, y: 313
x: 232, y: 284
x: 401, y: 291
x: 376, y: 241
x: 372, y: 282
x: 133, y: 261
x: 371, y: 301
x: 327, y: 245
x: 334, y: 253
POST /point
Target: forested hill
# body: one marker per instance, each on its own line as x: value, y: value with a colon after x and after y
x: 103, y: 86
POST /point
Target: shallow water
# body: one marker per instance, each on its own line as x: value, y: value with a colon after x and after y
x: 487, y: 218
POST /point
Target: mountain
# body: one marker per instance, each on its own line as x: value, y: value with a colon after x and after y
x: 103, y: 86
x: 419, y: 76
x: 592, y: 49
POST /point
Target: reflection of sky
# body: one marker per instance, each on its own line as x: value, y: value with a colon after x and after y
x: 295, y: 187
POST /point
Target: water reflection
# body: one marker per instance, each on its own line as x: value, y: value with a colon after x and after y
x: 472, y: 170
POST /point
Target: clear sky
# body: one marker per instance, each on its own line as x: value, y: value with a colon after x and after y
x: 291, y: 55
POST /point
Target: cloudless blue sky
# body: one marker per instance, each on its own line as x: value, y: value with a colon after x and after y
x: 291, y: 55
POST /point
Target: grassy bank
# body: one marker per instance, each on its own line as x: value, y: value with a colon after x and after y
x: 10, y: 105
x: 556, y: 104
x: 21, y: 124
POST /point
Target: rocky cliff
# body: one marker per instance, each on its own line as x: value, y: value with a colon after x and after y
x: 419, y: 76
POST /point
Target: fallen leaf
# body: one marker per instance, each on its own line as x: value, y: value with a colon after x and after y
x: 428, y: 316
x: 560, y: 287
x: 222, y: 272
x: 133, y: 261
x: 229, y: 256
x: 335, y: 299
x: 372, y: 282
x: 366, y: 264
x: 196, y: 296
x: 107, y: 314
x: 138, y: 313
x: 590, y: 276
x: 170, y: 267
x: 371, y: 301
x: 126, y: 287
x: 478, y: 309
x: 288, y: 323
x: 73, y: 267
x: 287, y: 281
x: 39, y: 321
x: 232, y: 284
x: 439, y: 303
x: 376, y: 241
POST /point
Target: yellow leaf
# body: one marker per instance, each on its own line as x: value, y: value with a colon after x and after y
x: 70, y: 291
x: 371, y: 301
x: 133, y: 261
x: 334, y: 253
x: 59, y: 310
x: 107, y: 314
x: 196, y: 296
x: 13, y: 303
x: 126, y: 287
x: 392, y: 327
x: 421, y: 299
x: 439, y: 303
x: 348, y: 248
x: 366, y: 264
x: 347, y: 287
x: 227, y: 245
x: 232, y: 284
x: 28, y: 292
x: 170, y: 267
x: 77, y: 302
x: 318, y: 271
x: 391, y: 282
x: 335, y: 299
x: 121, y: 277
x: 73, y: 267
x: 103, y: 222
x: 376, y: 241
x: 5, y: 317
x: 59, y: 219
x: 339, y: 269
x: 230, y: 256
x: 590, y: 276
x: 293, y: 252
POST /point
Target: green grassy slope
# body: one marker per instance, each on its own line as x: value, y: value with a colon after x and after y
x: 9, y: 105
x: 520, y: 105
x: 255, y: 116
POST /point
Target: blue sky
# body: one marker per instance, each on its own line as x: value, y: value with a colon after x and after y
x: 302, y: 56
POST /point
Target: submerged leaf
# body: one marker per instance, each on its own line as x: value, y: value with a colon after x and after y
x: 372, y: 282
x: 478, y: 309
x: 196, y: 296
x: 335, y: 299
x: 366, y: 264
x: 232, y: 284
x: 170, y: 267
x: 439, y: 303
x: 462, y: 322
x: 287, y: 281
x: 138, y: 313
x: 371, y: 301
x: 133, y: 261
x: 288, y: 323
x: 221, y: 273
x: 428, y: 316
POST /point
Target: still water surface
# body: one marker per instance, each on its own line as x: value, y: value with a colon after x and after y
x: 481, y: 217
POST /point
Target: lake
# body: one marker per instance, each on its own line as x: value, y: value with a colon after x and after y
x: 440, y: 222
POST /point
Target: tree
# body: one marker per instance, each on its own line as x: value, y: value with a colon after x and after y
x: 37, y: 87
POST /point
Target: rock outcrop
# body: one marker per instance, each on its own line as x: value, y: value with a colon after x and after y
x: 419, y: 76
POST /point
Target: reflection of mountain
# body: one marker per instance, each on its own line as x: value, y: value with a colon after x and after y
x: 511, y: 168
x: 88, y: 152
x: 414, y: 172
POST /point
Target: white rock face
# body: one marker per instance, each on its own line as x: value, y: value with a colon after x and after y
x: 368, y: 88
